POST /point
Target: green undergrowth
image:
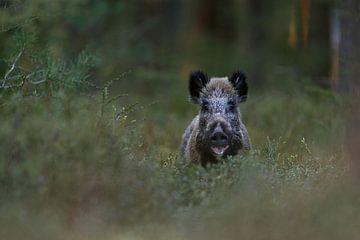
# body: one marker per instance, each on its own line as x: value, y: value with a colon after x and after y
x: 88, y: 167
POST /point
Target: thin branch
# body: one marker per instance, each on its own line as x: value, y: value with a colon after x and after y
x: 13, y: 85
x: 27, y: 21
x: 117, y: 78
x: 13, y: 65
x: 14, y: 77
x: 116, y: 98
x: 126, y: 110
x: 38, y: 82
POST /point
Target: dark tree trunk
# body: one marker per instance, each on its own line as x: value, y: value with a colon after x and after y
x: 349, y: 47
x: 350, y: 74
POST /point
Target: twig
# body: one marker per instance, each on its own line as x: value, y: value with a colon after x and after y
x: 128, y: 110
x: 38, y: 82
x: 13, y: 65
x: 116, y: 98
x: 13, y: 85
x: 107, y: 84
x: 27, y: 21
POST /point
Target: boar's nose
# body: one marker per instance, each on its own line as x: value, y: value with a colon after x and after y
x: 218, y: 137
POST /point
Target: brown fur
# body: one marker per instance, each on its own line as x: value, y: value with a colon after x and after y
x: 220, y: 83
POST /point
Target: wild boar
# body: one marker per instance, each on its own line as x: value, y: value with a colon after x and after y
x: 217, y: 131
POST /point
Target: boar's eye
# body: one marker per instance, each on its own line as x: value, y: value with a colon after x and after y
x: 205, y: 105
x: 231, y: 106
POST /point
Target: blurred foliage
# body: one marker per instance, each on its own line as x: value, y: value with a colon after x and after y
x: 90, y: 173
x: 175, y: 36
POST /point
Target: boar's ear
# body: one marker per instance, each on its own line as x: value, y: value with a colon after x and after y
x: 197, y: 82
x: 238, y: 80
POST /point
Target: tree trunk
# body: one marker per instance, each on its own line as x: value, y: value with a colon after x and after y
x: 349, y: 47
x: 350, y: 74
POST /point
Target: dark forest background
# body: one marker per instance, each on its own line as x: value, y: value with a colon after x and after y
x: 268, y: 39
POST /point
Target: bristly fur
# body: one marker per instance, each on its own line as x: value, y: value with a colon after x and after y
x: 219, y: 86
x: 218, y: 98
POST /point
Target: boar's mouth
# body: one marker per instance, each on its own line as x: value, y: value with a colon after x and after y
x: 219, y: 139
x: 219, y: 150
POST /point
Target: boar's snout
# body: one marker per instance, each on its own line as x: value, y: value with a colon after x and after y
x: 218, y: 136
x: 219, y: 139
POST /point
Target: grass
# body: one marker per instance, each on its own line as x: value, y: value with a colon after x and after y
x: 72, y: 166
